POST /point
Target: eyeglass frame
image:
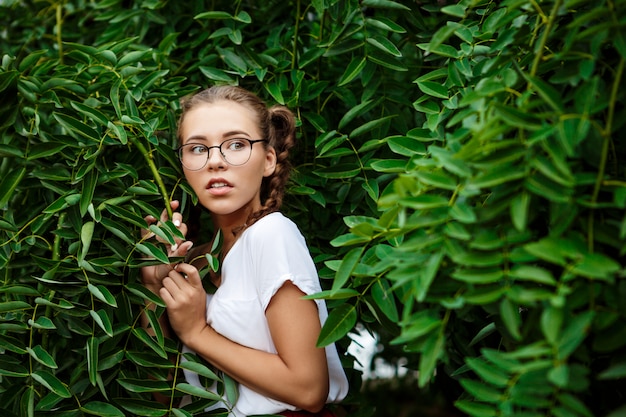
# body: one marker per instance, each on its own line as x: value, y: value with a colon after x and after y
x: 219, y: 147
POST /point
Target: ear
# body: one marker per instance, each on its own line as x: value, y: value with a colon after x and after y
x: 270, y: 162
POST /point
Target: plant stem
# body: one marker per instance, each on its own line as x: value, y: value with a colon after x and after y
x: 606, y: 140
x: 59, y: 27
x: 56, y: 255
x: 294, y: 51
x: 155, y: 173
x: 544, y: 37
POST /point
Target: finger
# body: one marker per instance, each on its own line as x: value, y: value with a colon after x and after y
x: 193, y: 276
x: 177, y: 219
x: 166, y: 296
x: 181, y: 248
x: 173, y: 283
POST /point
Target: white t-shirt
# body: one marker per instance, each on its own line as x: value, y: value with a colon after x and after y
x: 266, y: 255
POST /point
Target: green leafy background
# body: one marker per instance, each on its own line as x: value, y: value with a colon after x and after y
x: 459, y: 178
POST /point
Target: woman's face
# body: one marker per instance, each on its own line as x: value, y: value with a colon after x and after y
x: 227, y: 190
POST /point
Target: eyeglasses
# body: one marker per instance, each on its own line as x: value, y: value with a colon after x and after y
x: 236, y: 151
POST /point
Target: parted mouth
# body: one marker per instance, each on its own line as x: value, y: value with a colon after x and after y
x: 218, y: 183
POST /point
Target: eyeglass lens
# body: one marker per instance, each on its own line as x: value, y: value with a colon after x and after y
x: 194, y: 156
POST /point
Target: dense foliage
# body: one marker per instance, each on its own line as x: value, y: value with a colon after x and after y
x: 459, y: 178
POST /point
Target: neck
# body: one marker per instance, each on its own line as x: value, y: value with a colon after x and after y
x: 231, y: 226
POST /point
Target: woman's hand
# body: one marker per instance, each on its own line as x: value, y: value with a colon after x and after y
x: 185, y: 299
x: 152, y: 276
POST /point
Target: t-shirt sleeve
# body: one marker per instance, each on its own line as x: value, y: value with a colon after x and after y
x: 284, y: 257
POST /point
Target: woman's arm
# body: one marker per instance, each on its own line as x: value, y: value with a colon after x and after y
x: 297, y: 374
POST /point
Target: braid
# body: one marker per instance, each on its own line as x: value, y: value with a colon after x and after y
x: 281, y: 135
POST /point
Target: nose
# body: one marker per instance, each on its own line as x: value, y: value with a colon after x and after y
x: 215, y: 159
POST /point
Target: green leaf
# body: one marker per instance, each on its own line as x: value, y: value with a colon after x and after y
x: 142, y: 335
x: 596, y: 266
x: 9, y: 306
x: 481, y: 391
x: 215, y: 74
x: 99, y: 408
x: 90, y: 182
x: 340, y: 294
x: 432, y: 350
x: 9, y: 367
x: 547, y: 92
x: 438, y: 179
x: 339, y: 171
x: 215, y: 15
x: 487, y: 372
x: 551, y: 323
x: 144, y: 293
x: 389, y: 165
x: 384, y: 298
x: 384, y: 4
x: 103, y: 294
x: 340, y: 321
x: 90, y: 112
x: 150, y: 249
x: 42, y: 356
x: 476, y: 409
x: 155, y: 326
x: 199, y: 368
x: 143, y: 385
x: 532, y: 273
x: 406, y: 146
x: 9, y: 184
x: 51, y: 382
x: 509, y: 312
x: 478, y: 276
x: 231, y: 388
x: 519, y: 210
x: 574, y: 333
x: 348, y: 263
x: 273, y: 87
x: 27, y: 401
x: 144, y: 408
x: 371, y: 125
x: 352, y: 71
x: 418, y: 325
x: 385, y: 24
x: 102, y: 320
x: 424, y: 202
x: 86, y: 234
x: 133, y: 57
x: 384, y: 45
x: 433, y: 89
x: 197, y: 391
x: 92, y: 347
x: 76, y: 128
x: 29, y: 60
x: 456, y: 10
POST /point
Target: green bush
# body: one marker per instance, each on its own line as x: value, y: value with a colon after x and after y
x: 459, y: 179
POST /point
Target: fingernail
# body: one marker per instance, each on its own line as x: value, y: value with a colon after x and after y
x: 176, y: 222
x: 174, y: 247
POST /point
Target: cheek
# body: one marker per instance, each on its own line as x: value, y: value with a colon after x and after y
x: 193, y: 179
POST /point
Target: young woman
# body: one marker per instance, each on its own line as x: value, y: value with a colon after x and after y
x: 256, y: 327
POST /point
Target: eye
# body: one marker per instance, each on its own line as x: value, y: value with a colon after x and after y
x: 197, y: 149
x: 236, y: 144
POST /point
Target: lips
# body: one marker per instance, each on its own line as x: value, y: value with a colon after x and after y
x: 219, y: 186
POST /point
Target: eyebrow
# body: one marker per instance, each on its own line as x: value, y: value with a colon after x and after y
x: 224, y: 136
